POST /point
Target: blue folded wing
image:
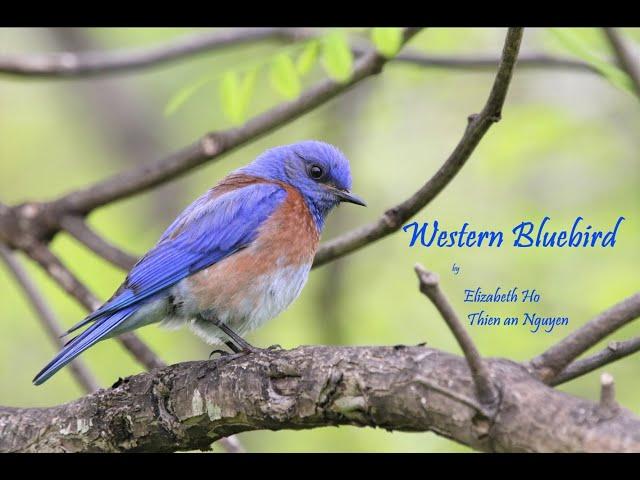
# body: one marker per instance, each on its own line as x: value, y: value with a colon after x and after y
x: 210, y: 229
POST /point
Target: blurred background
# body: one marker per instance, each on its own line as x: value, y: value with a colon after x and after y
x: 568, y: 145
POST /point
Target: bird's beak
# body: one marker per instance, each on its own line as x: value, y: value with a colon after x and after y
x: 346, y: 196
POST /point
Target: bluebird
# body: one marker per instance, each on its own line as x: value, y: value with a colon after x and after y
x: 233, y: 259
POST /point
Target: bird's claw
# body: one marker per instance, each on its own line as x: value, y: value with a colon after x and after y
x: 222, y: 353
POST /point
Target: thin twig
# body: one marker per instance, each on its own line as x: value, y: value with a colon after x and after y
x: 479, y: 62
x: 430, y: 287
x: 629, y: 63
x: 614, y: 351
x: 65, y: 65
x: 608, y: 402
x: 52, y: 327
x: 74, y: 287
x: 550, y: 363
x: 479, y: 124
x: 214, y: 145
x: 79, y: 230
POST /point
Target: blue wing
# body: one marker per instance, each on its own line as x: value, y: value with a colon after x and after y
x: 210, y: 229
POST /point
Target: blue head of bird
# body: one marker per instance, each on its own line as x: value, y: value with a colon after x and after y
x: 318, y: 170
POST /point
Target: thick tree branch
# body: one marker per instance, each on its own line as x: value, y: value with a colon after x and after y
x: 550, y: 363
x: 429, y: 285
x: 614, y: 351
x: 66, y: 64
x: 627, y: 61
x: 52, y: 327
x: 478, y: 125
x: 189, y: 405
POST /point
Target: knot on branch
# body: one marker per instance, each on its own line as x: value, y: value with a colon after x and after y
x: 392, y: 218
x: 212, y: 144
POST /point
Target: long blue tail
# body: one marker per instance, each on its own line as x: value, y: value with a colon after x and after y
x: 79, y: 344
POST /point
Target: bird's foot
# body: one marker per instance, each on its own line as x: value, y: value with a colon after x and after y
x: 275, y: 347
x: 218, y: 351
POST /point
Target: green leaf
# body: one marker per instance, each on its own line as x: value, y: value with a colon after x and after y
x: 387, y: 40
x: 573, y: 42
x: 308, y: 57
x: 246, y: 90
x: 182, y: 95
x: 230, y: 97
x: 284, y: 77
x: 337, y: 57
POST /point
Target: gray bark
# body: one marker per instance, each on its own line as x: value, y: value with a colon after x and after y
x: 189, y: 405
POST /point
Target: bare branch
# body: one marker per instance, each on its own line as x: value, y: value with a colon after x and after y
x: 479, y: 124
x: 429, y: 285
x: 90, y: 64
x: 79, y: 230
x: 614, y: 351
x: 608, y: 395
x: 629, y: 63
x: 79, y: 370
x: 215, y: 144
x: 490, y: 63
x: 189, y: 405
x: 550, y: 363
x: 65, y: 65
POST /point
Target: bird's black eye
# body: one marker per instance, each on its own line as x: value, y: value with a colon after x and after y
x: 316, y: 172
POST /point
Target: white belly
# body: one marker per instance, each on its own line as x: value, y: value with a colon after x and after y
x: 266, y: 297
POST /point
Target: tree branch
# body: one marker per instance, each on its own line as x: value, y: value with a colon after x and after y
x: 79, y: 230
x: 478, y: 125
x: 97, y: 63
x: 64, y: 65
x: 429, y: 285
x: 614, y: 351
x: 550, y: 363
x: 215, y: 144
x: 189, y: 405
x: 489, y: 63
x: 626, y: 60
x: 52, y: 327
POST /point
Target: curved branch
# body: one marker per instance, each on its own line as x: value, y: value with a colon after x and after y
x: 188, y: 406
x: 214, y: 145
x: 52, y: 327
x: 74, y: 287
x: 627, y: 61
x: 90, y: 64
x: 614, y: 351
x: 551, y: 362
x: 490, y: 63
x: 478, y: 125
x: 63, y: 65
x: 79, y: 230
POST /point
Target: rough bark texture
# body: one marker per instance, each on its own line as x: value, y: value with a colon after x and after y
x: 189, y: 405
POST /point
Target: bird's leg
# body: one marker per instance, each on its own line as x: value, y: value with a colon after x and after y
x: 241, y: 342
x: 238, y: 344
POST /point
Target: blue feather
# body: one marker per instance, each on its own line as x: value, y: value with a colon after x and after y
x: 207, y: 231
x: 79, y: 344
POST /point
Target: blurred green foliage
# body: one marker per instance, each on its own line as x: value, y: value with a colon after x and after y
x: 568, y: 145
